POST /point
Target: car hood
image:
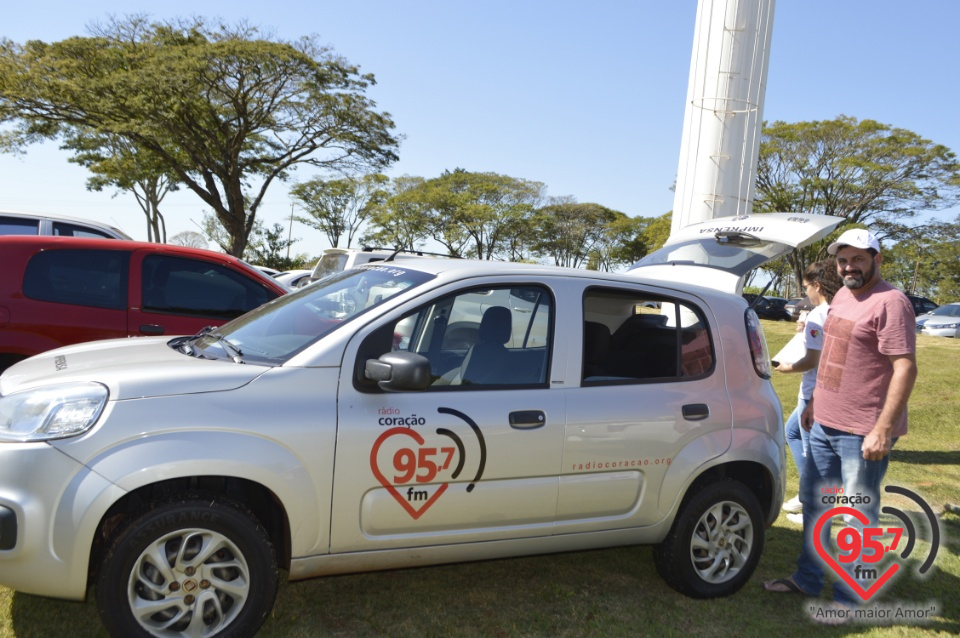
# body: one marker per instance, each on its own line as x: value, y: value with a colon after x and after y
x: 130, y: 368
x: 718, y: 253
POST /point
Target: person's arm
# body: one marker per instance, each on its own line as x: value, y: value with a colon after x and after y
x: 808, y: 361
x: 877, y: 444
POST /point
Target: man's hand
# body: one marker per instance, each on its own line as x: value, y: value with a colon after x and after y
x: 876, y: 445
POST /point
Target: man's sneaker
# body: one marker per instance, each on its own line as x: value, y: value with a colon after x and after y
x: 795, y: 518
x: 793, y: 505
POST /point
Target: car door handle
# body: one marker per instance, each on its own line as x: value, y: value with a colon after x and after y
x: 151, y: 329
x: 528, y: 419
x: 696, y: 411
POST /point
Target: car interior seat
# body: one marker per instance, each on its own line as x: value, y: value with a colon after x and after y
x: 487, y: 361
x: 596, y: 348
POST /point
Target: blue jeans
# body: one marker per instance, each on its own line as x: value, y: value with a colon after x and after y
x: 797, y: 437
x: 835, y: 460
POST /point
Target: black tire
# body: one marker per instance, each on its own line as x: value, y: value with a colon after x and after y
x: 206, y: 544
x: 715, y: 542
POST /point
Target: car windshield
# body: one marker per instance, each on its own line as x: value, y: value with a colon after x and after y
x: 738, y: 257
x: 949, y: 310
x: 274, y: 332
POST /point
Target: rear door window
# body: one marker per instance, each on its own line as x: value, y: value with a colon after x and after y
x: 95, y: 278
x: 630, y: 336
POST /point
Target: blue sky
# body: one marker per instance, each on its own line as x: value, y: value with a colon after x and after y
x: 586, y: 97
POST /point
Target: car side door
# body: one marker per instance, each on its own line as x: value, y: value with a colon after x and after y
x: 476, y: 454
x: 175, y: 294
x: 650, y: 388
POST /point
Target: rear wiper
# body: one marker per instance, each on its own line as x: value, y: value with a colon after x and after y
x: 736, y: 238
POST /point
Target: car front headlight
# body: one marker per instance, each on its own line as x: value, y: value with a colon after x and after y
x: 53, y: 412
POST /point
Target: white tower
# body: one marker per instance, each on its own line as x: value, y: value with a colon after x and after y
x: 724, y: 110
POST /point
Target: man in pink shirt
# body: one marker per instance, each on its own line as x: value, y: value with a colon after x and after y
x: 867, y: 370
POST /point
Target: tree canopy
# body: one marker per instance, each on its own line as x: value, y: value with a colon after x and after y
x: 926, y: 261
x: 575, y: 235
x: 339, y: 207
x: 224, y: 109
x: 866, y: 172
x: 470, y: 214
x: 115, y: 162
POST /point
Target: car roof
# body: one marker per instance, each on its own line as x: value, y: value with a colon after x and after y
x: 465, y: 268
x: 42, y: 242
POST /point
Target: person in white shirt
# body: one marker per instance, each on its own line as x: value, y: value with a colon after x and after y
x: 821, y: 282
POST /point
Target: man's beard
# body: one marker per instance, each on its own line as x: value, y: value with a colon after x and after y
x: 855, y: 282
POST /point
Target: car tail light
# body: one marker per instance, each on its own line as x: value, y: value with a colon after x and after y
x: 758, y: 345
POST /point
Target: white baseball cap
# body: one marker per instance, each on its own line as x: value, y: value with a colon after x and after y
x: 856, y: 237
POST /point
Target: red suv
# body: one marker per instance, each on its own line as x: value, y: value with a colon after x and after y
x: 56, y: 291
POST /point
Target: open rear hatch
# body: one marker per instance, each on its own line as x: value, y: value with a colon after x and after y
x: 718, y: 253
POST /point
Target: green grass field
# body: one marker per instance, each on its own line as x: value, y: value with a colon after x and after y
x: 616, y: 592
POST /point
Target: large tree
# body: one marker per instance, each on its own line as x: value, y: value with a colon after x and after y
x: 471, y: 214
x: 869, y: 173
x: 339, y: 207
x: 569, y: 232
x: 226, y: 110
x: 400, y: 220
x: 624, y: 243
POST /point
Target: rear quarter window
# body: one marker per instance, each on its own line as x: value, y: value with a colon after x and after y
x: 94, y: 278
x: 63, y: 229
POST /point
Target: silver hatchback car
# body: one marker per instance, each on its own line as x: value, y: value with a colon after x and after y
x: 403, y: 414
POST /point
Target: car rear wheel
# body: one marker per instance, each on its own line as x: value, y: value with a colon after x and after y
x: 715, y: 542
x: 194, y: 567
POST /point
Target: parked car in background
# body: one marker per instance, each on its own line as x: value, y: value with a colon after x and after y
x: 291, y: 278
x: 324, y: 433
x: 921, y: 305
x: 336, y: 259
x: 773, y: 308
x: 942, y: 322
x: 267, y: 270
x: 797, y: 306
x: 24, y: 223
x: 57, y: 291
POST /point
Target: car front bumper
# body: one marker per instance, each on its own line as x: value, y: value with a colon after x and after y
x: 939, y: 331
x: 42, y: 503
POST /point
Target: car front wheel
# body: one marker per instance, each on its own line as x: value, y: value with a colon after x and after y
x: 191, y: 567
x: 715, y: 542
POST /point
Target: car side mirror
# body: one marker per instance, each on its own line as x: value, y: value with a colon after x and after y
x: 399, y: 371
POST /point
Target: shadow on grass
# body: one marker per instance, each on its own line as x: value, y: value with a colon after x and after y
x: 614, y: 592
x: 918, y: 457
